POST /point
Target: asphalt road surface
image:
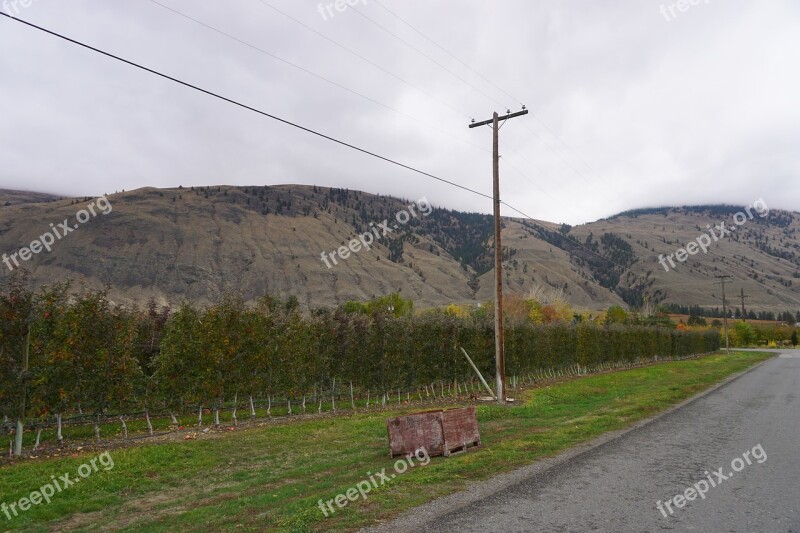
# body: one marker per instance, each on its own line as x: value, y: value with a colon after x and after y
x: 616, y: 486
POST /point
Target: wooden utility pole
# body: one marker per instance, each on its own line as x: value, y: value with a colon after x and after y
x: 744, y: 312
x: 722, y: 281
x: 498, y: 249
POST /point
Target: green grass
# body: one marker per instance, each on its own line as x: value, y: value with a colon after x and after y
x: 272, y: 477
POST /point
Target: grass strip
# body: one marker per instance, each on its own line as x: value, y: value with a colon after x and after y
x: 271, y: 478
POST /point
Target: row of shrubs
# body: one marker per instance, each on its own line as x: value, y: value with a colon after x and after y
x: 85, y: 354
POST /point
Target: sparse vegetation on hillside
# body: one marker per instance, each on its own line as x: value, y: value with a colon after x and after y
x: 197, y: 243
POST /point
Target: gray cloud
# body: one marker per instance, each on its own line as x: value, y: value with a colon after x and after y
x: 698, y: 109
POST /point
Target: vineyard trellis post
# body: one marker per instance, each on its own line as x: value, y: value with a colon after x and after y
x: 23, y: 393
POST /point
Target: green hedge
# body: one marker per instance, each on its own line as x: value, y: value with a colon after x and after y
x: 87, y: 354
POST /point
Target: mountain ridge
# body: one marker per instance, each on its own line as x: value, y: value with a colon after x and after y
x: 197, y: 243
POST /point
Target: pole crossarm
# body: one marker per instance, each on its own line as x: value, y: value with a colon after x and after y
x: 504, y: 117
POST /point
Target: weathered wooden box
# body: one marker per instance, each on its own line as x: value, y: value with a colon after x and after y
x: 439, y: 432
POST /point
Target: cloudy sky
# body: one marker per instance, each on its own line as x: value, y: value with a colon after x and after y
x: 633, y: 103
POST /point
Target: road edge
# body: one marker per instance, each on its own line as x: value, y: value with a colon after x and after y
x: 415, y: 519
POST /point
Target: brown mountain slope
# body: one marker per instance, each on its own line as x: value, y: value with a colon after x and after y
x: 172, y: 244
x: 9, y: 197
x: 762, y: 255
x: 197, y: 243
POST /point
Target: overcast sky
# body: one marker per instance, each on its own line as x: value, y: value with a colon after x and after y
x: 631, y: 105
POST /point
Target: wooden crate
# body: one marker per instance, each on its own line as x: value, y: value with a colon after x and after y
x: 439, y: 432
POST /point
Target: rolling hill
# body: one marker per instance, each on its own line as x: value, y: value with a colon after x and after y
x: 197, y: 243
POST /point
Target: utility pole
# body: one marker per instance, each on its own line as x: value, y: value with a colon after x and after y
x: 722, y: 281
x: 744, y: 312
x: 498, y: 250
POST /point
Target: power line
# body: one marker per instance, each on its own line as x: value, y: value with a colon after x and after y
x: 356, y: 54
x: 239, y: 104
x: 577, y: 172
x: 525, y: 125
x: 289, y: 123
x: 366, y: 60
x: 557, y: 153
x: 443, y: 49
x: 422, y: 91
x: 536, y: 167
x: 312, y: 73
x: 426, y: 56
x: 563, y: 159
x: 533, y: 220
x: 526, y: 178
x: 489, y: 81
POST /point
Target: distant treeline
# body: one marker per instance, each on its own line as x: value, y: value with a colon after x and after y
x: 787, y: 316
x: 719, y: 210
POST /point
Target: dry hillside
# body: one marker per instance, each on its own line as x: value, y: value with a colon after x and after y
x: 196, y: 243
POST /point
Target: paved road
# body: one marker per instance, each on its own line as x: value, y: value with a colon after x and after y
x: 615, y: 486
